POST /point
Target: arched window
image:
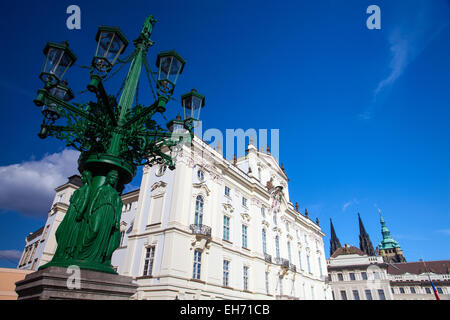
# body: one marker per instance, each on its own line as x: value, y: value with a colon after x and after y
x: 198, y: 211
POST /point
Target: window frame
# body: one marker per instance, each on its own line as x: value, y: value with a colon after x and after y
x: 197, y: 265
x: 149, y: 260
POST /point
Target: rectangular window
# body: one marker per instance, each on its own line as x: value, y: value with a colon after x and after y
x: 439, y: 290
x: 300, y: 259
x: 149, y: 258
x: 267, y: 282
x: 340, y: 277
x: 343, y: 295
x: 197, y: 264
x: 368, y: 294
x: 402, y: 290
x: 352, y: 276
x: 277, y: 247
x: 413, y: 290
x: 226, y: 272
x: 280, y: 282
x: 244, y: 236
x: 34, y: 264
x: 320, y: 266
x: 381, y: 294
x: 308, y: 263
x: 245, y: 278
x: 244, y: 201
x: 312, y: 293
x: 356, y: 295
x: 226, y: 228
x: 122, y: 235
x: 227, y: 191
x: 264, y: 241
x: 263, y: 212
x: 287, y: 226
x: 427, y: 290
x: 289, y: 251
x: 33, y: 252
x: 364, y: 275
x: 45, y: 233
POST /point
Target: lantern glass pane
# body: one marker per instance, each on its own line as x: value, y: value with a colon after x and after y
x: 61, y: 93
x: 109, y: 46
x: 164, y: 68
x: 175, y: 70
x: 52, y: 60
x: 187, y: 106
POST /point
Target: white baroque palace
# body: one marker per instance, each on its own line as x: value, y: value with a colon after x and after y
x: 210, y: 229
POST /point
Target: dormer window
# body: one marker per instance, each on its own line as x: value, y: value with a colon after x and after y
x: 200, y: 175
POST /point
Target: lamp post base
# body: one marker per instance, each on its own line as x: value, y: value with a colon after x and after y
x: 58, y: 283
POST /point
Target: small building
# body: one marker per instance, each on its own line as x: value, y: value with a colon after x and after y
x: 8, y: 279
x: 411, y: 280
x: 354, y: 275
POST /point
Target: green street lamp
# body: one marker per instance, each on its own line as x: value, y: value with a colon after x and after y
x: 170, y: 65
x: 113, y: 136
x: 192, y: 103
x: 58, y: 59
x: 110, y: 44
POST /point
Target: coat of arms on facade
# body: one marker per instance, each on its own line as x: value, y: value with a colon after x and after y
x: 276, y: 196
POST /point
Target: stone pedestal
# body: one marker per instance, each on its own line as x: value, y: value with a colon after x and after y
x: 55, y: 283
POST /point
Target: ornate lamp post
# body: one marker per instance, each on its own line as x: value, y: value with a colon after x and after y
x: 114, y: 137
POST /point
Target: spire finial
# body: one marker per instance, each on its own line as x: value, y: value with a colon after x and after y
x: 296, y: 206
x: 268, y: 149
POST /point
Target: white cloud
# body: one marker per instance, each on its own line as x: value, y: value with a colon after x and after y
x: 348, y: 204
x: 10, y: 255
x: 406, y: 42
x: 29, y: 187
x: 445, y: 231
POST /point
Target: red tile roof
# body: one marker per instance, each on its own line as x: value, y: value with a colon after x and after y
x: 437, y: 267
x: 347, y: 250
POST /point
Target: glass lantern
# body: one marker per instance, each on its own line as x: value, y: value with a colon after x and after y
x: 62, y: 91
x: 170, y: 65
x: 192, y: 103
x: 110, y: 44
x: 50, y: 112
x: 58, y: 59
x: 176, y: 126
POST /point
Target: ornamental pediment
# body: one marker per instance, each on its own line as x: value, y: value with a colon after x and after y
x: 158, y: 184
x: 203, y: 187
x: 158, y: 188
x: 228, y: 207
x: 245, y: 217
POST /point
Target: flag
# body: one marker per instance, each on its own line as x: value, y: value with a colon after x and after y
x: 434, y: 289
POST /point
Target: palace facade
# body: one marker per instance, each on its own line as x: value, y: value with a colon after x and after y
x: 210, y: 229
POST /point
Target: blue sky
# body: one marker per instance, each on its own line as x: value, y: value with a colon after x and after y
x: 363, y: 114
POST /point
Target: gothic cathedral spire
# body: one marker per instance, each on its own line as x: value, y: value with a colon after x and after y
x: 334, y: 241
x: 365, y: 244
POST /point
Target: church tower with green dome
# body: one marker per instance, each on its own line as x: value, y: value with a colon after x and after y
x: 389, y: 248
